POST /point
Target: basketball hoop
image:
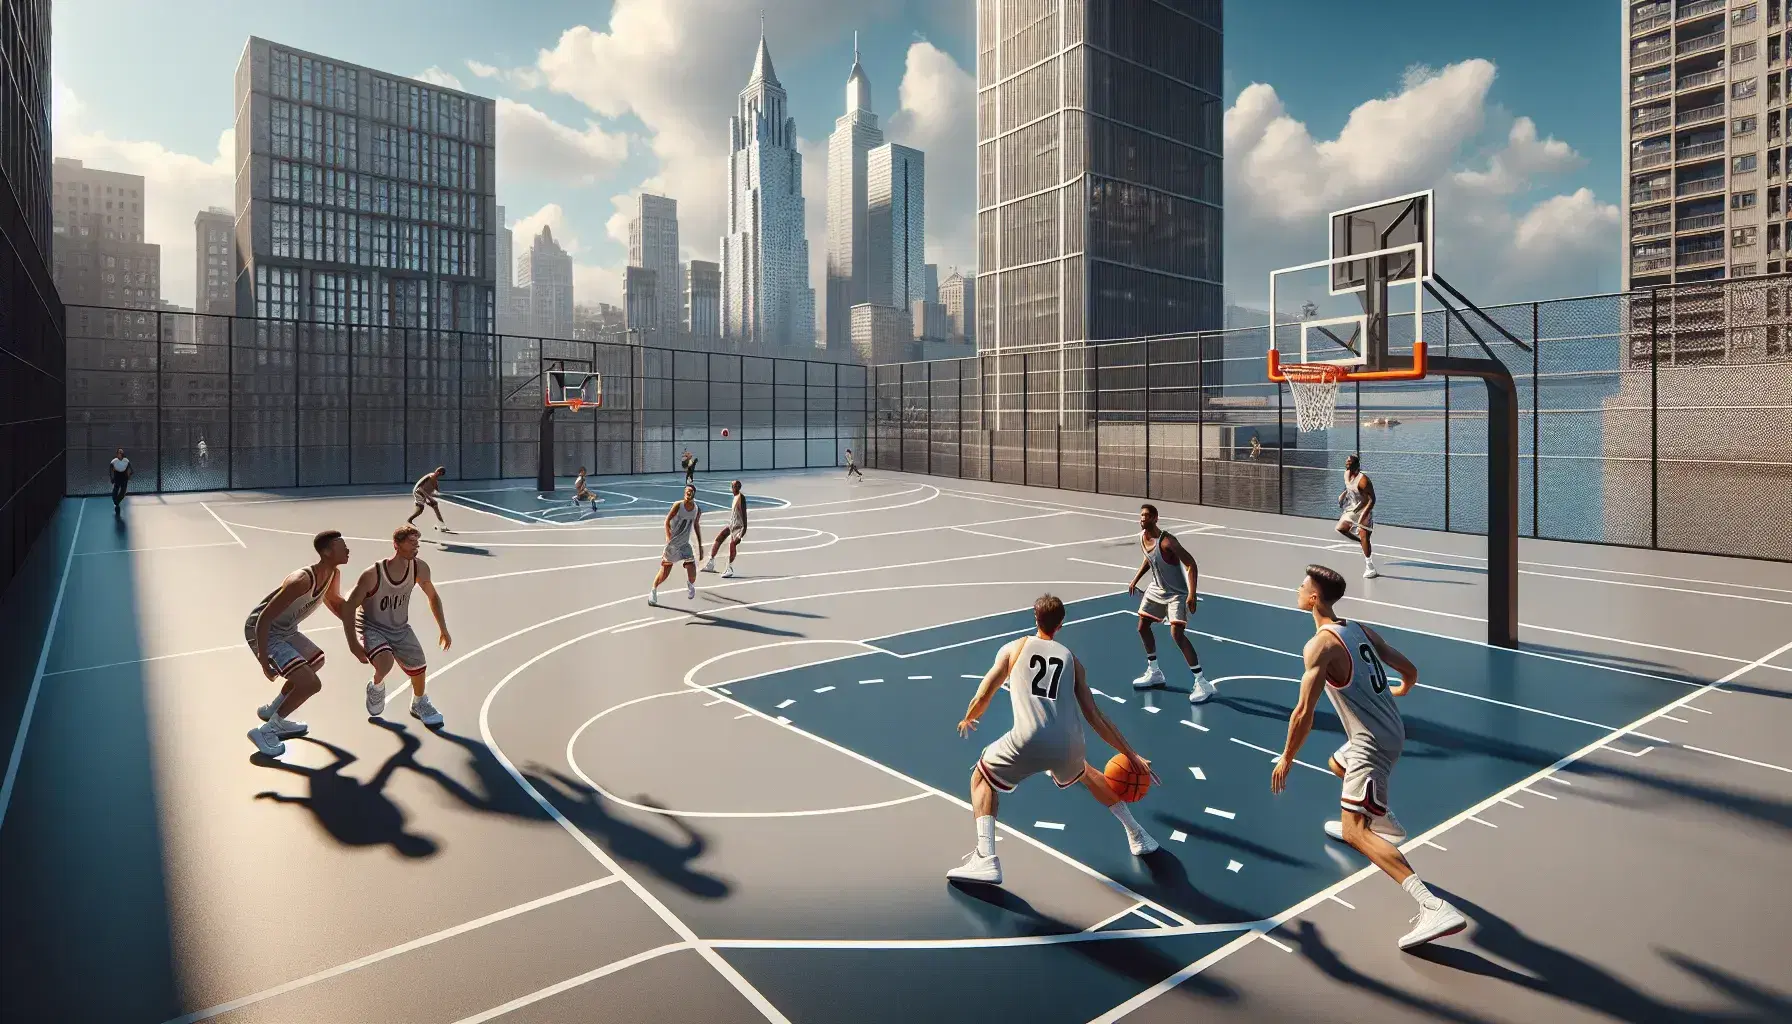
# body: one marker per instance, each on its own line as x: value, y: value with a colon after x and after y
x: 1315, y: 388
x: 573, y: 402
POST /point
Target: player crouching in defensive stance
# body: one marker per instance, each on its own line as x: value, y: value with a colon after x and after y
x: 1346, y: 659
x: 281, y: 650
x: 1047, y: 737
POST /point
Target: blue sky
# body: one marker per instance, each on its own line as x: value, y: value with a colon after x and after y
x: 640, y: 98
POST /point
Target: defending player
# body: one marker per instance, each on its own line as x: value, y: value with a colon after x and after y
x: 1047, y: 737
x: 379, y: 629
x: 733, y: 533
x: 682, y: 520
x: 1169, y: 597
x: 1346, y: 659
x: 428, y: 486
x: 1357, y: 499
x: 272, y: 630
x: 580, y: 492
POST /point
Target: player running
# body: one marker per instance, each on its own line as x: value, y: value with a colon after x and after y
x: 580, y: 492
x: 689, y: 464
x: 852, y: 467
x: 1346, y: 659
x: 682, y: 520
x: 1047, y: 737
x: 1357, y: 499
x: 1169, y: 597
x: 733, y: 533
x: 272, y: 630
x: 379, y: 631
x: 428, y: 486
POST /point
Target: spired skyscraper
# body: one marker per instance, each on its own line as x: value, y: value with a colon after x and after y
x: 849, y: 231
x: 766, y: 298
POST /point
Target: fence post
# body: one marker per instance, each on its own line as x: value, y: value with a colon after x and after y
x: 159, y: 381
x: 1094, y: 352
x: 1145, y: 419
x: 961, y: 363
x: 929, y: 366
x: 1536, y: 423
x: 1281, y: 436
x: 1200, y: 419
x: 902, y: 417
x: 351, y: 411
x: 1446, y: 428
x: 230, y: 401
x: 1654, y: 416
x: 1026, y: 455
x: 298, y: 397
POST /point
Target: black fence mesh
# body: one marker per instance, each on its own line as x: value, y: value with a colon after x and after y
x: 214, y: 402
x: 1657, y: 419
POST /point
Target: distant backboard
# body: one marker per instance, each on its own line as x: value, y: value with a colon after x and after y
x: 1372, y: 331
x: 574, y: 389
x: 1380, y: 226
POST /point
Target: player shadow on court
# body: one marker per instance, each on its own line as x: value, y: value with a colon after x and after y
x: 1426, y: 579
x: 453, y: 548
x: 1619, y: 661
x: 1414, y: 563
x: 1310, y: 942
x: 355, y: 813
x: 710, y: 619
x: 763, y: 609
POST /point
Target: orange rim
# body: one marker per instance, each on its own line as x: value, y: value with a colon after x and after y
x: 1284, y: 373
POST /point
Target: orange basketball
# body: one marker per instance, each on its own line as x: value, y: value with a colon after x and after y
x: 1127, y: 784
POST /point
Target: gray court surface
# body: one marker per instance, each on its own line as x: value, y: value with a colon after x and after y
x: 741, y: 807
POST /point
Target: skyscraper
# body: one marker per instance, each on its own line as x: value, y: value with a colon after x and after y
x: 895, y: 192
x: 856, y: 134
x: 1098, y: 170
x: 653, y: 243
x: 363, y: 197
x: 766, y: 298
x: 546, y: 270
x: 930, y: 282
x: 214, y: 261
x: 504, y: 272
x: 99, y: 257
x: 703, y: 300
x: 958, y: 294
x: 642, y: 306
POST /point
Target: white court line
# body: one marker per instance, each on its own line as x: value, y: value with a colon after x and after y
x: 1340, y: 902
x: 1671, y: 718
x: 1744, y: 760
x: 931, y: 529
x: 391, y: 951
x: 1702, y: 711
x: 1111, y: 918
x: 1511, y: 803
x: 994, y: 536
x: 993, y: 636
x: 824, y: 689
x: 1161, y: 931
x: 37, y: 677
x: 1058, y: 826
x: 589, y: 976
x: 1277, y: 755
x: 225, y: 525
x: 1480, y: 821
x: 164, y: 547
x: 1538, y: 792
x: 1433, y: 845
x: 1302, y: 907
x: 1284, y: 948
x: 1216, y: 812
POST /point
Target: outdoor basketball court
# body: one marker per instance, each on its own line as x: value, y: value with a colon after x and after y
x: 742, y: 807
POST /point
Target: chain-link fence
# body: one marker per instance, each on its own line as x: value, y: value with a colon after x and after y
x: 1657, y: 419
x: 205, y: 402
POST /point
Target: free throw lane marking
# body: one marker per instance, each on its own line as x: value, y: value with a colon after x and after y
x: 786, y: 703
x: 823, y: 689
x: 1049, y: 824
x: 1178, y: 836
x: 1216, y: 812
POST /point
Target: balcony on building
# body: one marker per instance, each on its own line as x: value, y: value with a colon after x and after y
x: 1655, y: 153
x: 1687, y: 12
x: 1705, y: 71
x: 1691, y: 114
x: 1645, y: 121
x: 1702, y: 182
x: 1648, y: 16
x: 1699, y: 145
x: 1650, y: 84
x: 1651, y: 222
x: 1650, y: 188
x: 1704, y: 43
x: 1653, y: 49
x: 1703, y: 215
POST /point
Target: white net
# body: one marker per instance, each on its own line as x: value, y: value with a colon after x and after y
x: 1315, y: 404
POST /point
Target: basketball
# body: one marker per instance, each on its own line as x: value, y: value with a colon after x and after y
x: 724, y: 431
x: 1128, y: 785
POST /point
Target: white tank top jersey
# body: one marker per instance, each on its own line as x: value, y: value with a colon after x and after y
x: 1167, y: 575
x: 389, y: 606
x: 1359, y: 495
x: 1364, y: 705
x: 682, y: 520
x: 737, y: 513
x: 296, y: 612
x: 1042, y: 689
x: 426, y: 485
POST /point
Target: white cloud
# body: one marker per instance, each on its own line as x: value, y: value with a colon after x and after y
x: 436, y: 76
x: 176, y: 186
x: 591, y: 282
x: 553, y: 217
x: 938, y: 115
x: 533, y: 145
x: 1524, y: 157
x: 521, y: 78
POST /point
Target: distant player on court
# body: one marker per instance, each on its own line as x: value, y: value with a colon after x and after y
x: 1346, y: 659
x: 272, y: 630
x: 689, y: 464
x: 379, y: 630
x: 580, y: 492
x: 1047, y: 737
x: 1169, y: 597
x: 1358, y: 502
x: 682, y: 520
x: 121, y: 478
x: 428, y: 486
x: 732, y: 533
x: 852, y: 468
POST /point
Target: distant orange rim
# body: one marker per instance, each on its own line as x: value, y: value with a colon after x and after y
x: 1331, y: 373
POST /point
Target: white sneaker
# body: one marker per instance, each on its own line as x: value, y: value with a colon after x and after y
x: 376, y: 699
x: 978, y: 869
x: 1387, y: 827
x: 287, y: 728
x: 1141, y: 844
x: 266, y: 711
x: 728, y: 573
x: 266, y: 741
x: 709, y: 566
x: 1369, y: 572
x: 653, y: 598
x: 423, y: 711
x: 1435, y: 920
x: 690, y: 591
x: 1202, y: 691
x: 1151, y: 677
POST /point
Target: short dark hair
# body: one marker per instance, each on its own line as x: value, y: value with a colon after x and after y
x: 404, y: 533
x: 736, y: 485
x: 1148, y: 507
x: 1358, y: 459
x: 325, y: 539
x: 1329, y: 581
x: 1048, y: 611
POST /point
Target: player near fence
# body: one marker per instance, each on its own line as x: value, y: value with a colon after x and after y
x: 121, y: 478
x: 1346, y: 660
x: 582, y: 492
x: 428, y: 486
x: 1170, y: 573
x: 688, y: 463
x: 852, y: 467
x: 1047, y: 736
x: 379, y: 626
x: 733, y: 533
x: 1358, y: 502
x: 683, y: 520
x: 272, y: 631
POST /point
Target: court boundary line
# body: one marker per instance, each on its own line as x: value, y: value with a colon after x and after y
x: 16, y: 758
x: 225, y: 525
x: 1173, y: 981
x: 578, y: 980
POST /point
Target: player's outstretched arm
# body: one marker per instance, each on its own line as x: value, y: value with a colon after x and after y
x: 1300, y: 722
x: 1103, y: 726
x: 986, y: 690
x: 1391, y: 656
x: 428, y: 586
x: 352, y: 604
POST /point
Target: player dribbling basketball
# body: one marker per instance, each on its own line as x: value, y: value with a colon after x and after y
x: 682, y: 520
x: 733, y: 533
x: 1047, y: 737
x: 428, y: 486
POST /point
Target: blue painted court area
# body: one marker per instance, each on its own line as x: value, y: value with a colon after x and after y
x: 619, y: 497
x: 1481, y: 719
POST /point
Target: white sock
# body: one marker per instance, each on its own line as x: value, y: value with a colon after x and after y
x: 986, y: 835
x: 1124, y: 813
x: 1416, y: 889
x: 1150, y: 660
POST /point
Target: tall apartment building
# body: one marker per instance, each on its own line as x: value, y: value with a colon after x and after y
x: 895, y: 203
x: 653, y: 243
x: 214, y: 261
x: 362, y: 196
x: 855, y: 135
x: 33, y: 431
x: 641, y: 304
x: 1705, y: 189
x: 99, y: 257
x: 504, y: 272
x: 881, y: 334
x: 1098, y: 170
x: 703, y: 300
x: 958, y: 294
x: 546, y: 272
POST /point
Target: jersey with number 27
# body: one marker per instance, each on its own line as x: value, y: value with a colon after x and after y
x: 1364, y: 705
x: 1042, y: 688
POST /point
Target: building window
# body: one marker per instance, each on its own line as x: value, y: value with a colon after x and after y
x: 277, y: 292
x: 1742, y: 200
x: 1744, y: 89
x: 1744, y: 15
x: 1744, y: 125
x: 1744, y: 164
x: 1744, y: 269
x: 1743, y: 236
